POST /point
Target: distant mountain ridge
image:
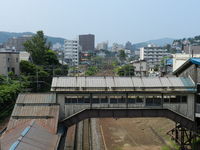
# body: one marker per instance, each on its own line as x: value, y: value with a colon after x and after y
x: 158, y: 42
x: 4, y: 36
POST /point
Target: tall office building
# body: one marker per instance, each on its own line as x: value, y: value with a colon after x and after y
x: 87, y: 42
x: 71, y: 52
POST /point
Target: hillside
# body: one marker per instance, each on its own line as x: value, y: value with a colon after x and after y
x: 4, y: 36
x: 158, y: 42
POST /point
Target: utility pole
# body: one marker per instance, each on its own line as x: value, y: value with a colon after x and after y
x: 37, y: 78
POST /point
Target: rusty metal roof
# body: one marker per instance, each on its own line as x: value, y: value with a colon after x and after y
x: 29, y: 136
x: 43, y: 109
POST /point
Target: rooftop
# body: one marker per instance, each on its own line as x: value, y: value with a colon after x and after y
x: 115, y: 83
x: 42, y: 111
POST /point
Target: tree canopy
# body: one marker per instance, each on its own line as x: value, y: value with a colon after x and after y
x: 38, y: 48
x: 126, y: 70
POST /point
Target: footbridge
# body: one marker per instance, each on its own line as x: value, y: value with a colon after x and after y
x: 125, y: 97
x: 73, y: 99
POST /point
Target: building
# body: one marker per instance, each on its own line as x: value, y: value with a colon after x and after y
x: 33, y: 123
x: 9, y: 62
x: 141, y: 68
x: 1, y: 45
x: 23, y: 55
x: 40, y: 120
x: 16, y: 43
x: 71, y: 52
x: 102, y: 46
x: 189, y: 68
x: 87, y: 42
x: 129, y: 45
x: 153, y: 55
x: 116, y: 47
x: 193, y: 49
x: 180, y: 59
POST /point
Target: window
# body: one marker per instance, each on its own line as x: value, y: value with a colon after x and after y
x: 17, y: 59
x: 104, y: 100
x: 67, y: 100
x: 113, y: 100
x: 184, y: 99
x: 13, y: 69
x: 95, y: 100
x: 80, y: 100
x: 139, y: 100
x: 121, y: 100
x: 131, y: 100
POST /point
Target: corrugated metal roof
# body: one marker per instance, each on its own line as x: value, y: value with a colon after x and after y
x: 41, y: 107
x: 120, y: 82
x: 37, y: 137
x: 36, y: 98
x: 123, y: 82
x: 137, y: 82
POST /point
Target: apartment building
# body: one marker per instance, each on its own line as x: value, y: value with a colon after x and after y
x: 153, y: 55
x: 71, y: 52
x: 9, y: 62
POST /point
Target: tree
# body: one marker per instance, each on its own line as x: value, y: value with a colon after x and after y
x: 91, y: 71
x: 38, y: 48
x: 122, y: 55
x: 126, y: 70
x: 27, y: 68
x: 50, y: 58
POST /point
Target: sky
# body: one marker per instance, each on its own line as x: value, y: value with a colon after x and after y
x: 113, y: 20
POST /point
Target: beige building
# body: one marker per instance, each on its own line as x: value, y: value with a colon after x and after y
x: 180, y: 59
x: 141, y: 68
x: 9, y: 62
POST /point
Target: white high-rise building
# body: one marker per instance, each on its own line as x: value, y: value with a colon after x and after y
x: 71, y: 52
x: 102, y: 46
x: 153, y: 55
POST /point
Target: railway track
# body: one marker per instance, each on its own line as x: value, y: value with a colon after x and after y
x: 85, y: 135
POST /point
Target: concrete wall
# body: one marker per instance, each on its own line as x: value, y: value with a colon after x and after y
x: 185, y: 109
x: 190, y: 72
x: 9, y: 60
x: 68, y: 109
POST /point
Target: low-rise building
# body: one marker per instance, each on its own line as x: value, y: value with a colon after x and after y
x: 141, y: 68
x: 23, y: 55
x: 189, y: 68
x: 9, y: 62
x: 180, y: 59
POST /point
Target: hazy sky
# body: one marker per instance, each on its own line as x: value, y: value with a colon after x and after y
x: 112, y: 20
